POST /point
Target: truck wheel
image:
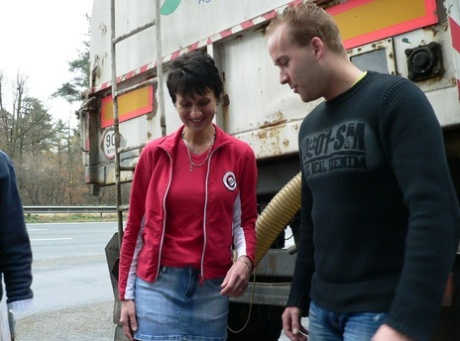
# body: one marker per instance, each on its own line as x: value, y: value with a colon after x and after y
x: 264, y: 323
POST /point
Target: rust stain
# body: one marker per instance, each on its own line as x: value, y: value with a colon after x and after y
x: 327, y: 3
x: 270, y: 132
x: 431, y: 81
x: 279, y: 119
x: 272, y: 140
x: 261, y: 135
x: 150, y: 116
x: 271, y: 143
x: 431, y: 29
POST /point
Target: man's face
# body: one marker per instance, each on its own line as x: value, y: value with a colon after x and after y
x: 298, y: 65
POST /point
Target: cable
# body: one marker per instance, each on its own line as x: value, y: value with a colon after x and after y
x: 250, y: 307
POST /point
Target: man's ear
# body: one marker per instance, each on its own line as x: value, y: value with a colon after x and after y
x: 318, y: 47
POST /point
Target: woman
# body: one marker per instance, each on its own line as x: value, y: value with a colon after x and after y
x: 192, y: 208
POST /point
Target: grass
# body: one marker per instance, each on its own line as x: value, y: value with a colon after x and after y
x: 70, y: 217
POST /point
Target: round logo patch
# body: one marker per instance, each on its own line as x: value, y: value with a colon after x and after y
x: 230, y: 181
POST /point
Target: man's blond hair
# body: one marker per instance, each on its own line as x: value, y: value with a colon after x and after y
x: 308, y: 20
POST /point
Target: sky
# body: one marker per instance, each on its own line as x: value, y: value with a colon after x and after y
x: 38, y: 39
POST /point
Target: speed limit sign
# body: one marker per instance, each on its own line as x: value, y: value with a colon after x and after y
x: 108, y: 143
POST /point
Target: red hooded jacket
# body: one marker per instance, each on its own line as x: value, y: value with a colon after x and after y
x: 231, y: 164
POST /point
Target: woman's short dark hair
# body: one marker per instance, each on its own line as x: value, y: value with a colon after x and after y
x: 194, y: 73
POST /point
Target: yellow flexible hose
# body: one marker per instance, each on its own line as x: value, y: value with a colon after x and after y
x: 274, y: 218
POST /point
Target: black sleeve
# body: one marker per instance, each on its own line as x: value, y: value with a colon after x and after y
x: 299, y: 295
x: 412, y: 139
x: 15, y: 250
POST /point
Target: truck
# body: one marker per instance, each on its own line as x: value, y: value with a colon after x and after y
x: 133, y: 42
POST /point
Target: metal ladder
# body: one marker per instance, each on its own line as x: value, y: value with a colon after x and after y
x: 116, y: 94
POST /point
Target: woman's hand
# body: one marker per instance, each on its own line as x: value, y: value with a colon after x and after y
x: 128, y: 318
x: 237, y: 279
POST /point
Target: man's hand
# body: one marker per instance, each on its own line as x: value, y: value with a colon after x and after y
x: 128, y: 318
x: 291, y: 324
x: 386, y: 333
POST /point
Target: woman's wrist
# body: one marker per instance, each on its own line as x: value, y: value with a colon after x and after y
x: 246, y: 261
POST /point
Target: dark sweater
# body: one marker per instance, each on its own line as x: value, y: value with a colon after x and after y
x: 15, y: 250
x: 379, y: 218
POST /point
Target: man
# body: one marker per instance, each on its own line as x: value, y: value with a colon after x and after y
x: 379, y: 215
x: 15, y: 251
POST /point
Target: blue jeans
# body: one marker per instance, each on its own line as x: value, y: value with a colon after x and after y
x: 178, y: 307
x: 325, y: 325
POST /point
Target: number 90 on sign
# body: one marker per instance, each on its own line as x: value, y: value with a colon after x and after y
x: 108, y: 143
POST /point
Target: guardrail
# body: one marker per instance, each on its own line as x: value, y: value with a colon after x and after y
x: 69, y: 209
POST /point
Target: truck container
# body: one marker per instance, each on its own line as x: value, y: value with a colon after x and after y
x: 131, y: 45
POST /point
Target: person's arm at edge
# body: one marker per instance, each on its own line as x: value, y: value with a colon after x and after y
x: 14, y: 242
x: 415, y: 145
x: 299, y: 301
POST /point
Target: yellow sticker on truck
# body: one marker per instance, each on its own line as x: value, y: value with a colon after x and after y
x: 364, y: 21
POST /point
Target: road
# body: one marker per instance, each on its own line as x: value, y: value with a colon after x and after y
x: 73, y: 297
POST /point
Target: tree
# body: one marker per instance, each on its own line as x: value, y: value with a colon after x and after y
x: 4, y: 115
x: 29, y: 136
x: 28, y: 126
x: 47, y: 155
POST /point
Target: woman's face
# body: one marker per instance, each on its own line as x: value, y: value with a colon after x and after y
x: 197, y: 112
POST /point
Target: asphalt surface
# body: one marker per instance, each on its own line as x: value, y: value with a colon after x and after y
x: 73, y: 298
x: 83, y: 323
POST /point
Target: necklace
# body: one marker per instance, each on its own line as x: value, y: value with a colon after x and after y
x: 191, y: 162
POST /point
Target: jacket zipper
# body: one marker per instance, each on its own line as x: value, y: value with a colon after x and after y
x: 164, y: 214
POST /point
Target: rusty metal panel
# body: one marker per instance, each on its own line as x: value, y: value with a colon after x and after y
x: 275, y: 294
x: 256, y: 108
x: 277, y: 263
x: 260, y: 110
x: 191, y: 23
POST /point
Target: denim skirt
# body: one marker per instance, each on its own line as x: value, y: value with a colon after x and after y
x: 178, y: 307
